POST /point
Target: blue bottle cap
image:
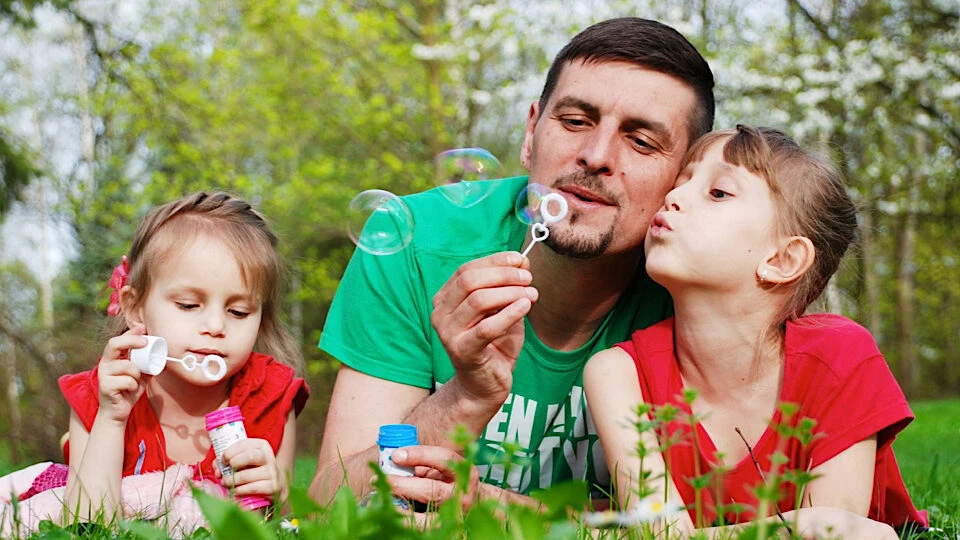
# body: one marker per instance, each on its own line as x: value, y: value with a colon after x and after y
x: 397, y: 435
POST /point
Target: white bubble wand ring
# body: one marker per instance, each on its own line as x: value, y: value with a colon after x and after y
x: 539, y: 231
x: 153, y: 358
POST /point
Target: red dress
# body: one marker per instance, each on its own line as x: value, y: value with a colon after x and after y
x: 264, y: 389
x: 836, y: 376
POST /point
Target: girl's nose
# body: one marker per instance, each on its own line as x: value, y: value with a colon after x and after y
x: 213, y: 324
x: 672, y: 200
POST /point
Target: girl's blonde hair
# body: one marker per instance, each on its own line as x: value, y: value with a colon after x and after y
x: 168, y: 228
x: 810, y: 197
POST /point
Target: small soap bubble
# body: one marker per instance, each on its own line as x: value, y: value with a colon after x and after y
x: 379, y: 222
x: 537, y: 203
x: 457, y: 171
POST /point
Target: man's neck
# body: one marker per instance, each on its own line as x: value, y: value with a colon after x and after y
x: 575, y: 295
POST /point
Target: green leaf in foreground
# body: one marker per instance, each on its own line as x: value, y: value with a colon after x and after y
x: 228, y: 520
x: 558, y: 498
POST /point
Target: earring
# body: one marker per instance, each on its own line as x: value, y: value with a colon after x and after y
x: 763, y: 275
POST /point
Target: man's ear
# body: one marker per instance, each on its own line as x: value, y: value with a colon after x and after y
x: 130, y: 303
x: 526, y: 149
x: 790, y: 262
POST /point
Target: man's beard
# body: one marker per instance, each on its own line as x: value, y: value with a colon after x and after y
x: 565, y: 240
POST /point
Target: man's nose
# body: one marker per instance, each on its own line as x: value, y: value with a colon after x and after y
x: 597, y: 154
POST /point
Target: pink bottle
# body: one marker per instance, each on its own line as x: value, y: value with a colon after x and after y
x: 225, y: 427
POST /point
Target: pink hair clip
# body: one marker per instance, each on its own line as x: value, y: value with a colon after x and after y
x: 117, y: 280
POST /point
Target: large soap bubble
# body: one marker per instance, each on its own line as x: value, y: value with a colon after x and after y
x: 379, y: 222
x: 457, y: 172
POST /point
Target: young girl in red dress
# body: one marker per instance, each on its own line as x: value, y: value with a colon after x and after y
x: 204, y: 274
x: 746, y: 240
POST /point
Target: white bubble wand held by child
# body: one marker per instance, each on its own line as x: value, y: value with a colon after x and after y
x: 153, y: 358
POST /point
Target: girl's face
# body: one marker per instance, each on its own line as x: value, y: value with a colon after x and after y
x: 199, y: 304
x: 716, y: 227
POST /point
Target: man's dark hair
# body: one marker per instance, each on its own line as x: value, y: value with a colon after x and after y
x: 648, y: 44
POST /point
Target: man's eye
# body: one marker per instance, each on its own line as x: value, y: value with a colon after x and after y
x: 719, y: 194
x: 640, y: 142
x: 574, y: 122
x: 186, y: 307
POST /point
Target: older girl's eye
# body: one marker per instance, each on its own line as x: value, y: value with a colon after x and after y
x: 719, y: 194
x: 186, y: 307
x: 238, y: 314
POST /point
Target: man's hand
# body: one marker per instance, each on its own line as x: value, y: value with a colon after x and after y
x: 434, y: 479
x: 478, y: 315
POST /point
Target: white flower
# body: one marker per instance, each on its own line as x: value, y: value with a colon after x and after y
x: 292, y: 525
x: 647, y: 510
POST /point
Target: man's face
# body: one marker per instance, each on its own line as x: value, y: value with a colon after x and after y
x: 610, y: 140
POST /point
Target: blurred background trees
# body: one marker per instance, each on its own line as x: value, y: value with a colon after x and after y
x: 109, y: 107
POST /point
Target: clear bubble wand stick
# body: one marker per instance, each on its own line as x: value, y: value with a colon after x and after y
x: 539, y: 231
x: 153, y: 358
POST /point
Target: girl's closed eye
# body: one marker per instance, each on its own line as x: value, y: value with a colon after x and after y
x: 186, y: 306
x: 238, y: 313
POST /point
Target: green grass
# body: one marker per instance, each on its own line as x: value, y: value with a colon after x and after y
x: 929, y: 455
x: 928, y: 452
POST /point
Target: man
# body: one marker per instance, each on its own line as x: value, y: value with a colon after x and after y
x: 460, y: 329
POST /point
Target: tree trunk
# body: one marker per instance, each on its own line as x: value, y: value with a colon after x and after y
x: 871, y: 283
x: 9, y: 370
x: 907, y: 368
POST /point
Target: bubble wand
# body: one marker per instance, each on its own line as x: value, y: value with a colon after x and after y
x: 538, y: 230
x: 153, y: 358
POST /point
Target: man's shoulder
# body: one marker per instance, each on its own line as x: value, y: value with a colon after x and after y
x: 445, y: 223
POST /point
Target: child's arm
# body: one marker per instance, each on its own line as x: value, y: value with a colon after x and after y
x: 96, y: 457
x: 845, y: 481
x: 613, y: 394
x: 256, y: 470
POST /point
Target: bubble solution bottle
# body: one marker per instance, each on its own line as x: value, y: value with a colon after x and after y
x: 391, y: 437
x: 225, y: 427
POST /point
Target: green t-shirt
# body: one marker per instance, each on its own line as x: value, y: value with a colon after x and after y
x: 379, y: 324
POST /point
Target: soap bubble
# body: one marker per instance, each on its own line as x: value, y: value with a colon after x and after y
x: 537, y: 203
x: 379, y: 222
x: 457, y: 171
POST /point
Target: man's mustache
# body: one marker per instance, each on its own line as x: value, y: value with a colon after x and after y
x: 591, y: 182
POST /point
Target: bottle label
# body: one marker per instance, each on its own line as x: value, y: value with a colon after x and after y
x: 221, y: 437
x: 389, y: 467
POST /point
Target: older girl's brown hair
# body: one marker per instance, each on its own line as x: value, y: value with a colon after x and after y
x: 810, y: 197
x: 168, y: 228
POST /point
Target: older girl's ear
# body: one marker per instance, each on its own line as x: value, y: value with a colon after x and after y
x: 791, y: 261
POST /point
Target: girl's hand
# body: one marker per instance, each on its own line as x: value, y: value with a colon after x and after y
x: 120, y: 382
x: 825, y: 522
x: 255, y: 469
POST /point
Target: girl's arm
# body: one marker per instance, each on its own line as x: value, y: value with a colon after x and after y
x: 96, y: 457
x: 287, y: 452
x: 845, y: 481
x: 613, y: 394
x: 96, y: 466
